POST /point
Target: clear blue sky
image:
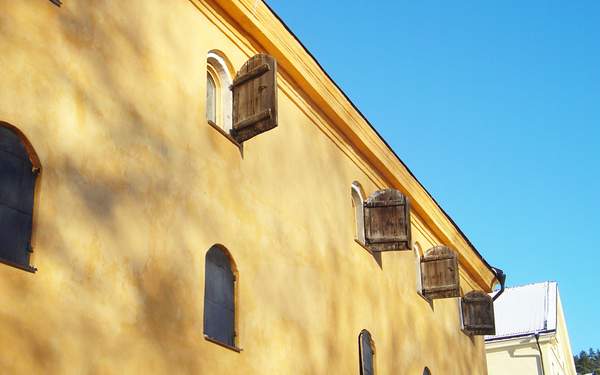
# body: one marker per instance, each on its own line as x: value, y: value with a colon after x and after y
x: 495, y: 107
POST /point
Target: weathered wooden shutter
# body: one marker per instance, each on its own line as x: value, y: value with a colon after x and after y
x: 254, y: 98
x: 219, y: 308
x: 478, y: 313
x: 17, y: 184
x: 439, y: 273
x: 366, y: 354
x: 387, y: 221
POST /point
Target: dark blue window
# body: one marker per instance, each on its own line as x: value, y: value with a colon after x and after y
x: 219, y: 304
x: 17, y: 186
x: 366, y: 353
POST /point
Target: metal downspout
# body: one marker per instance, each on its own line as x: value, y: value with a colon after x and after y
x: 501, y: 277
x: 537, y: 340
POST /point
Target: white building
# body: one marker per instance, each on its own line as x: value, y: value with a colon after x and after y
x: 531, y: 333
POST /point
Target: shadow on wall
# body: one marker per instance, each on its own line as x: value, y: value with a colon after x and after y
x: 110, y: 242
x: 536, y: 357
x: 126, y: 217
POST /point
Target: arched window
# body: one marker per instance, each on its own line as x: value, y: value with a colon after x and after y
x: 219, y: 297
x: 460, y: 310
x: 418, y: 253
x: 366, y: 353
x: 426, y: 371
x: 19, y: 167
x: 211, y: 99
x: 218, y: 94
x: 359, y: 211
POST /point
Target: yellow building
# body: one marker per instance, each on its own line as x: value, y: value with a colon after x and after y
x: 531, y: 333
x: 119, y: 116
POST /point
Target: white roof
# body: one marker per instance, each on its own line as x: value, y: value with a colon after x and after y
x: 525, y: 310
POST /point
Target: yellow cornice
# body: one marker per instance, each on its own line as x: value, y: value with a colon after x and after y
x: 259, y: 24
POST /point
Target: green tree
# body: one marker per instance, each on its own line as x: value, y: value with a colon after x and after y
x: 588, y: 362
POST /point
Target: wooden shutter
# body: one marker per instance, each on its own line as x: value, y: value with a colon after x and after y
x: 387, y: 221
x: 478, y: 313
x: 219, y: 308
x: 17, y: 184
x: 366, y: 354
x: 254, y: 98
x: 439, y: 273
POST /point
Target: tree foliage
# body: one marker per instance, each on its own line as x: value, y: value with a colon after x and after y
x: 588, y: 362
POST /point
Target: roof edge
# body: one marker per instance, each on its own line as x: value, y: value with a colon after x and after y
x: 261, y: 23
x: 519, y: 335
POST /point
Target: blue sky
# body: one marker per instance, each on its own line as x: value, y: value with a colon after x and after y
x: 495, y: 107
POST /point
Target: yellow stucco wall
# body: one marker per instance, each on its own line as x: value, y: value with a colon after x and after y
x: 135, y: 187
x: 521, y: 356
x: 561, y: 351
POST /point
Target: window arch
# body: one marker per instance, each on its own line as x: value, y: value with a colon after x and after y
x: 218, y: 94
x: 366, y: 350
x: 19, y: 168
x: 219, y: 296
x: 358, y: 199
x: 426, y: 371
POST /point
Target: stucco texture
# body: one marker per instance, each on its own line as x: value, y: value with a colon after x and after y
x: 136, y: 186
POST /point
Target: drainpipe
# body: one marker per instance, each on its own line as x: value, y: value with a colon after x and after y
x: 501, y: 277
x: 537, y: 340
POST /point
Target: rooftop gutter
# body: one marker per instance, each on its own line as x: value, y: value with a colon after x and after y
x: 520, y: 335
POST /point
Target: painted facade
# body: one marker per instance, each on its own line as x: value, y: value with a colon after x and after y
x: 136, y: 186
x: 521, y: 313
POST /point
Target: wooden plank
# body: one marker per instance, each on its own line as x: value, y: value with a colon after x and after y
x: 254, y: 73
x: 249, y: 121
